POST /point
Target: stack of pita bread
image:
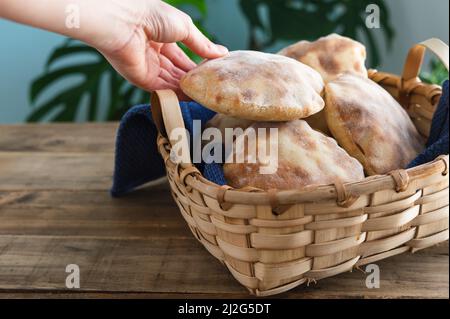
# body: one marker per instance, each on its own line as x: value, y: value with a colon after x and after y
x: 334, y: 124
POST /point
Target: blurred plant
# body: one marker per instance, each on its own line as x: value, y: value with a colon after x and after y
x: 437, y: 74
x: 287, y: 20
x: 66, y: 104
x: 310, y: 19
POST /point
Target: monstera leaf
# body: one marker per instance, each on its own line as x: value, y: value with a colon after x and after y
x: 94, y: 80
x: 200, y: 5
x: 295, y: 20
x: 64, y: 105
x: 437, y: 75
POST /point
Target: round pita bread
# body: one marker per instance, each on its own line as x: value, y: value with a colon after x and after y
x: 330, y: 56
x: 305, y: 157
x: 222, y: 121
x: 256, y: 86
x: 318, y: 122
x: 370, y: 124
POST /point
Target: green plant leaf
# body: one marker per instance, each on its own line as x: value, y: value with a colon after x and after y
x: 286, y: 23
x: 69, y: 112
x: 42, y: 83
x: 437, y: 75
x: 65, y: 104
x: 250, y: 10
x: 68, y: 101
x: 385, y: 18
x: 93, y: 103
x: 375, y: 58
x: 286, y: 20
x: 65, y: 51
x: 295, y: 20
x: 59, y: 102
x: 200, y: 5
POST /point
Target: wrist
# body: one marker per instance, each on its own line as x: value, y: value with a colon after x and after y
x: 117, y: 22
x: 99, y: 23
x: 106, y: 24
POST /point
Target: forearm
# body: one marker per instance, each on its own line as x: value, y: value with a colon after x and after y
x: 85, y: 20
x: 137, y: 37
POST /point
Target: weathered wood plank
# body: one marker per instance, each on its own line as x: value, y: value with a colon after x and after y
x: 50, y: 171
x: 102, y: 231
x: 43, y: 294
x: 146, y: 212
x: 55, y: 209
x: 111, y: 264
x: 173, y: 266
x: 67, y: 138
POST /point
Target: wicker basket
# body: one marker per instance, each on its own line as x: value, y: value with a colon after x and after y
x: 274, y: 241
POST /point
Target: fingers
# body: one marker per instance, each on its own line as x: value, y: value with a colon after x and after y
x: 159, y: 84
x: 166, y: 76
x: 201, y: 45
x: 176, y: 55
x: 170, y: 25
x: 166, y: 64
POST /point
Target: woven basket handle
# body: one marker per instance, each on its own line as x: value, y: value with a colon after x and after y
x: 169, y: 121
x: 416, y: 54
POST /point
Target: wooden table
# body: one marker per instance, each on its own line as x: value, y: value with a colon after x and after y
x: 55, y: 210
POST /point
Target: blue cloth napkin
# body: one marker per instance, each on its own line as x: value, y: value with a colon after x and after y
x: 438, y: 141
x: 138, y: 161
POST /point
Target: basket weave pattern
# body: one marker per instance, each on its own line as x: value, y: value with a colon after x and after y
x: 274, y: 241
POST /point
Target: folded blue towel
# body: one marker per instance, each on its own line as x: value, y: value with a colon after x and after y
x: 138, y: 161
x: 438, y: 140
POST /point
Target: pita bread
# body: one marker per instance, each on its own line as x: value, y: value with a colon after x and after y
x: 256, y: 86
x: 370, y: 124
x: 330, y: 56
x: 222, y: 122
x: 318, y: 122
x: 305, y: 157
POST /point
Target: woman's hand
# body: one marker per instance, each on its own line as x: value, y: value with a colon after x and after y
x: 143, y: 46
x: 137, y: 37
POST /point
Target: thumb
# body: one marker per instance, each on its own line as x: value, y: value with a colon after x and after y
x: 201, y: 45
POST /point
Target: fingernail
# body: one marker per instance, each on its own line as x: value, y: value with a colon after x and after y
x: 221, y: 49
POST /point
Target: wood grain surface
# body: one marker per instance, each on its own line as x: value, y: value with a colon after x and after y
x: 55, y: 210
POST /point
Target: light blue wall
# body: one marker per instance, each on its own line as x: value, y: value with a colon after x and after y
x: 23, y: 50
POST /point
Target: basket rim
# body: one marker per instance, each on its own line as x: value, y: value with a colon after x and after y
x: 436, y: 170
